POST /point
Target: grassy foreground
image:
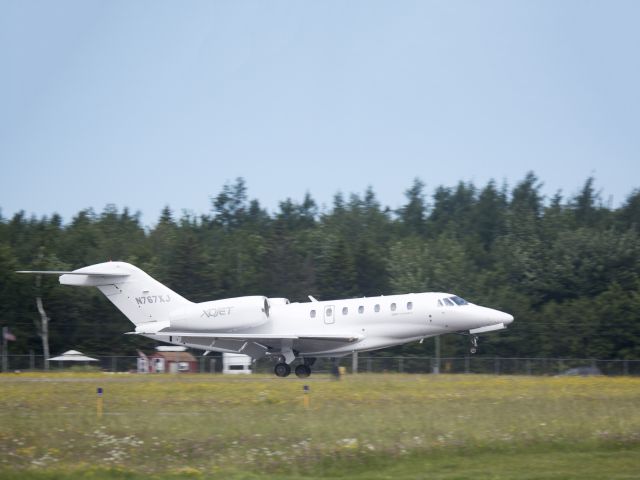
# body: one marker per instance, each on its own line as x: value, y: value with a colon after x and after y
x: 368, y: 426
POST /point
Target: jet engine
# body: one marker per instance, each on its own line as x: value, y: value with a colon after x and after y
x: 278, y: 301
x: 221, y: 315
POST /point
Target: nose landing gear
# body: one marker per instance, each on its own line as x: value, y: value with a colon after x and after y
x: 474, y: 344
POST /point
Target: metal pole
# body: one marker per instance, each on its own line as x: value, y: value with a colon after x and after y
x: 436, y: 366
x: 354, y: 363
x: 5, y: 345
x: 466, y: 364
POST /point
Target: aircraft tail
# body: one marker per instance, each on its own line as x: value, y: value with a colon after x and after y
x: 140, y: 297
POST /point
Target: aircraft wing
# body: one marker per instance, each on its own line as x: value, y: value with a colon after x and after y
x: 254, y: 337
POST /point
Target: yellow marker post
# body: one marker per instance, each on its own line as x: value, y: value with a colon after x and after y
x: 99, y: 403
x: 305, y: 397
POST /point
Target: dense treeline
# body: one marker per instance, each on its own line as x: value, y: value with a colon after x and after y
x: 568, y: 269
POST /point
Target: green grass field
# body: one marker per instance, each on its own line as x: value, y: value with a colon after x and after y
x: 368, y: 426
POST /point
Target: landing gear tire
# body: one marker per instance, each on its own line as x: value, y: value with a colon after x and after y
x: 282, y: 370
x: 303, y: 371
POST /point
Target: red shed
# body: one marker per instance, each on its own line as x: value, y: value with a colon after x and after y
x: 170, y: 360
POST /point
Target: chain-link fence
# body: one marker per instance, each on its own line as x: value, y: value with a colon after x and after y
x: 364, y: 364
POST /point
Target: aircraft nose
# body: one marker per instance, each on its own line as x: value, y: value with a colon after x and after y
x: 491, y: 316
x: 506, y: 318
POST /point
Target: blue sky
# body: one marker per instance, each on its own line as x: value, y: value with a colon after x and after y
x: 149, y: 103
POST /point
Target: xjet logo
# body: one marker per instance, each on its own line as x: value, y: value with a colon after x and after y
x: 153, y: 299
x: 216, y: 312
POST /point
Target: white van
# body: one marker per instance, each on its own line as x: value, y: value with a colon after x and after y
x: 236, y: 363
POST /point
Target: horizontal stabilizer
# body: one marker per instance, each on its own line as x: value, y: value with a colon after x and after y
x: 87, y: 278
x: 488, y: 328
x: 76, y: 272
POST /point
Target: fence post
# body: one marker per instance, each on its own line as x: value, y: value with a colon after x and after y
x: 5, y: 346
x: 400, y: 365
x: 32, y: 361
x: 496, y: 366
x: 114, y: 364
x: 369, y: 364
x: 436, y: 365
x: 354, y: 363
x: 466, y: 364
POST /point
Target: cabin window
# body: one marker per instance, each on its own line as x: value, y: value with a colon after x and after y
x: 448, y: 302
x: 393, y: 307
x: 345, y: 310
x: 360, y: 309
x: 440, y: 303
x: 313, y: 313
x: 409, y: 305
x: 376, y: 308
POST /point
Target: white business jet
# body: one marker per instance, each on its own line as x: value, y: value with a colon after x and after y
x: 260, y: 326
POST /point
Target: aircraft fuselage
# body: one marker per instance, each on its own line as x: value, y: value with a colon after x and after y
x: 259, y: 326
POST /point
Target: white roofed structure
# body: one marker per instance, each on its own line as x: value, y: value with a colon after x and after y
x: 73, y: 356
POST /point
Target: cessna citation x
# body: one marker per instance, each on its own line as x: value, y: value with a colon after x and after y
x: 259, y: 326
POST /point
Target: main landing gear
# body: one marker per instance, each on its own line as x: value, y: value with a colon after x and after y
x: 282, y: 369
x: 302, y: 371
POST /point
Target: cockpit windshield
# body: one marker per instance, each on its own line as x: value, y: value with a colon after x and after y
x: 452, y: 301
x: 458, y: 300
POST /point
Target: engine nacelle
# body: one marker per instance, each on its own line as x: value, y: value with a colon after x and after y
x: 221, y: 315
x: 278, y: 301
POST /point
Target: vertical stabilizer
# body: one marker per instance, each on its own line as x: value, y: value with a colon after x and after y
x: 139, y: 296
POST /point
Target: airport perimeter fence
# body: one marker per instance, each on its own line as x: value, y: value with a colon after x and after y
x: 473, y: 364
